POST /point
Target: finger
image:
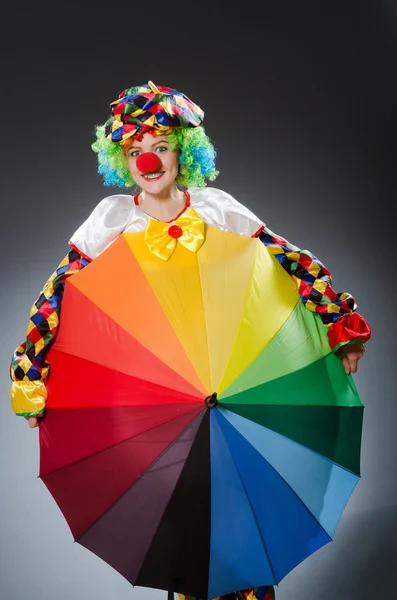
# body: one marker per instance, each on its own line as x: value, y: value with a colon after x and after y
x: 33, y: 422
x: 356, y: 357
x: 346, y: 365
x: 353, y: 364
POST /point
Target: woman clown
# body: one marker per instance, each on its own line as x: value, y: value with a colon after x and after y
x: 154, y: 139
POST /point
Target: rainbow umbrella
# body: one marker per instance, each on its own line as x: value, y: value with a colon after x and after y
x: 200, y: 436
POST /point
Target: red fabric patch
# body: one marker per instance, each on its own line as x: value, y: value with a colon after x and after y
x: 258, y: 231
x: 118, y: 109
x: 129, y: 127
x: 75, y: 265
x: 155, y: 108
x: 305, y: 289
x: 46, y: 310
x: 348, y: 328
x: 305, y: 261
x: 322, y: 308
x: 175, y: 231
x: 279, y: 240
x: 80, y: 252
x: 332, y: 295
x: 34, y: 336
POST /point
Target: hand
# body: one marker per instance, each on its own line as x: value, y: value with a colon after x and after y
x: 350, y: 354
x: 33, y: 421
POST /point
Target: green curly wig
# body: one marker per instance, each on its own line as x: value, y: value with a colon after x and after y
x: 196, y: 159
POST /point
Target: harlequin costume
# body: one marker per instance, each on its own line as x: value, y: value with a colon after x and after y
x: 258, y: 593
x: 204, y: 206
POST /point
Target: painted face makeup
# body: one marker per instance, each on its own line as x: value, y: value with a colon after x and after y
x: 152, y: 164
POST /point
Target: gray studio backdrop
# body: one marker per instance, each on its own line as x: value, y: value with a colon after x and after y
x: 302, y: 111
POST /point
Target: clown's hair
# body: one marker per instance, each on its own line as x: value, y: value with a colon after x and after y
x: 196, y: 158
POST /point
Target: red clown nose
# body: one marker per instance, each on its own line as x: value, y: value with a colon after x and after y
x: 148, y: 162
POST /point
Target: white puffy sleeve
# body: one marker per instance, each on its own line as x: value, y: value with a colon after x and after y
x: 108, y: 219
x: 221, y: 210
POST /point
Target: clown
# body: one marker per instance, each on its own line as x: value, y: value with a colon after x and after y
x: 154, y: 140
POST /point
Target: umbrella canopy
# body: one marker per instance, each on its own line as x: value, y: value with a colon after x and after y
x: 200, y: 436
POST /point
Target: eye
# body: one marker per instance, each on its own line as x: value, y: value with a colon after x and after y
x: 134, y: 153
x: 161, y: 149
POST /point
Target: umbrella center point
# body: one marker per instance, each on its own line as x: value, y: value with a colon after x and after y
x: 211, y: 401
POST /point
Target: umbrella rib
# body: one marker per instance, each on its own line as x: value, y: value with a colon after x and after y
x: 278, y: 475
x: 142, y: 475
x: 229, y: 405
x: 173, y: 492
x: 199, y: 393
x: 221, y: 405
x: 241, y: 320
x: 252, y: 509
x: 117, y: 324
x: 275, y: 378
x: 315, y: 451
x: 206, y: 327
x: 74, y: 462
x: 323, y: 356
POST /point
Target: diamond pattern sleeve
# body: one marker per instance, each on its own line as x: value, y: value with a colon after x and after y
x: 29, y: 368
x: 336, y: 310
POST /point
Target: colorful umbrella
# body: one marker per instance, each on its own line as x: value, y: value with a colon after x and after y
x: 200, y: 436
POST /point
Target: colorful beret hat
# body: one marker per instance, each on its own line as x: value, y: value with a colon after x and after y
x: 150, y: 108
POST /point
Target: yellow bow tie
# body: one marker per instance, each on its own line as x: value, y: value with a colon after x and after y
x: 188, y: 230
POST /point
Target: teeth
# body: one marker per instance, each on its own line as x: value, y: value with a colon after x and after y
x: 152, y: 175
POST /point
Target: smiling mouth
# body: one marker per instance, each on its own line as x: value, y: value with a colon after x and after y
x: 152, y: 176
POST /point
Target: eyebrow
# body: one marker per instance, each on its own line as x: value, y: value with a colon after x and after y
x: 139, y: 147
